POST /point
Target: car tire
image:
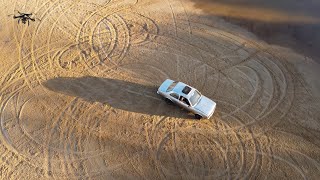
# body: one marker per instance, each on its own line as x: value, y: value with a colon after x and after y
x: 197, y: 116
x: 168, y: 101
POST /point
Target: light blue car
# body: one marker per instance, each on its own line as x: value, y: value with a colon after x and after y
x: 187, y: 97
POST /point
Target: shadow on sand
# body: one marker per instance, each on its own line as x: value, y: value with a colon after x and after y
x: 286, y: 23
x: 119, y: 94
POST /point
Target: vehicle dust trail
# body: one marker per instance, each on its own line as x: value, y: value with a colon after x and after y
x: 78, y: 96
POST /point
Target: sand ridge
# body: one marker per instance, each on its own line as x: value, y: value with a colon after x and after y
x: 78, y: 96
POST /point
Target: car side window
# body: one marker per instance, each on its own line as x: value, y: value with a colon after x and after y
x: 184, y: 100
x: 174, y: 95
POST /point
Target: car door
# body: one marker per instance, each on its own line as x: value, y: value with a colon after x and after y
x: 174, y: 97
x: 184, y: 102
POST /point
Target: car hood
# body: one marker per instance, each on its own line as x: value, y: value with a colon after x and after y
x: 206, y: 106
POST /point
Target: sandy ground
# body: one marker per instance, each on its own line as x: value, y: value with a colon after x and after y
x: 78, y: 101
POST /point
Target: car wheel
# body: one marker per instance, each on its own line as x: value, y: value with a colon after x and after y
x: 197, y: 116
x: 168, y: 101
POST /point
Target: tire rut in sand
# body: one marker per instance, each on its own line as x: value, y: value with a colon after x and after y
x: 88, y: 127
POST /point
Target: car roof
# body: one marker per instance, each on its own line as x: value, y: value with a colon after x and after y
x: 183, y: 89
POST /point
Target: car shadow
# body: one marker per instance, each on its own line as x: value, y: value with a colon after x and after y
x: 118, y: 94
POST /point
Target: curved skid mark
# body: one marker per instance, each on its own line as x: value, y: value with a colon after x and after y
x: 234, y: 138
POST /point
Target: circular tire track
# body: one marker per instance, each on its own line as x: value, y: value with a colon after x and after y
x: 56, y: 135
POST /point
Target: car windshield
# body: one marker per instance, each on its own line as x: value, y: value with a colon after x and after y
x: 194, y: 99
x: 172, y: 86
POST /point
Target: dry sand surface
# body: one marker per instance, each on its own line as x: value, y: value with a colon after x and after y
x: 78, y: 101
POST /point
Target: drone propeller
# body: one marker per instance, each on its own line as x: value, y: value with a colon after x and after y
x: 14, y: 16
x: 26, y: 14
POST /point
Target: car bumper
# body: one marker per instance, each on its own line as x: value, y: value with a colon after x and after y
x: 208, y: 117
